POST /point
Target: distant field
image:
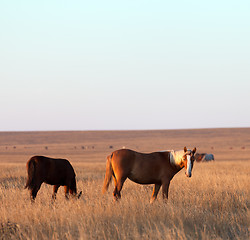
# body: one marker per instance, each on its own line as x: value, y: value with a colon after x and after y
x: 213, y: 204
x: 94, y: 146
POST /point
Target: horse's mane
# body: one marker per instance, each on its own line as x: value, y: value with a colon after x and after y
x: 176, y: 156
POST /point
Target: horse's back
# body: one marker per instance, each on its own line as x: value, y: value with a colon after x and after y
x: 58, y: 164
x: 40, y: 161
x: 132, y: 157
x: 123, y: 155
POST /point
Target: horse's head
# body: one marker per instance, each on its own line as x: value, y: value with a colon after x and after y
x: 188, y: 159
x: 77, y: 195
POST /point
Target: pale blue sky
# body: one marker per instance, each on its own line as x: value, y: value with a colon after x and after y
x: 93, y: 65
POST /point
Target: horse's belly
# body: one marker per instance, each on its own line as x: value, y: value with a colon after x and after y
x: 55, y: 181
x: 144, y: 179
x: 145, y: 174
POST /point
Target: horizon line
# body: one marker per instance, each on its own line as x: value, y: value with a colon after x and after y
x: 123, y: 130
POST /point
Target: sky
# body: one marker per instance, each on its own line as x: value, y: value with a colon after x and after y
x: 124, y: 65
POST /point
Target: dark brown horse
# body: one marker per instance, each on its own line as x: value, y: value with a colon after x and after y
x: 57, y: 172
x: 156, y: 168
x: 199, y: 157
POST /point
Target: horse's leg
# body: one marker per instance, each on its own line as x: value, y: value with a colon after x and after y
x: 115, y: 190
x: 55, y: 189
x: 72, y: 189
x: 34, y: 191
x: 119, y: 188
x: 66, y: 191
x: 165, y: 187
x: 155, y: 192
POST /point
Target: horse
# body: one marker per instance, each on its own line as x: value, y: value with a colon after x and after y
x: 199, y: 157
x: 209, y: 157
x: 57, y: 172
x: 156, y: 168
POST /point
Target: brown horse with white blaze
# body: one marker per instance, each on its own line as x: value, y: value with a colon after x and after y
x: 53, y: 171
x: 156, y: 168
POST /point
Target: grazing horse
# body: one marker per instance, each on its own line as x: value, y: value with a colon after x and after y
x: 156, y: 168
x: 209, y: 157
x: 57, y: 172
x: 199, y: 157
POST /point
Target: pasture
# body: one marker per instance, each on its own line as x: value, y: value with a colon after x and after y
x: 212, y: 204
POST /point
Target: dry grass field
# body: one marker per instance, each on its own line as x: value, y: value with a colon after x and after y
x: 212, y: 204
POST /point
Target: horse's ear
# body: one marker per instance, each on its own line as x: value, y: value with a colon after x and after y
x: 185, y: 149
x: 194, y: 150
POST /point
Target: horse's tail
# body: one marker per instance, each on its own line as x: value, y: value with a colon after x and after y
x: 108, y: 175
x: 31, y: 174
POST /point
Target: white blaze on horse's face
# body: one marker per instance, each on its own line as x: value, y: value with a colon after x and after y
x: 189, y: 166
x: 189, y: 154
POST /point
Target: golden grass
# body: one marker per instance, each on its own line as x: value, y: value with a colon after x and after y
x: 213, y: 204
